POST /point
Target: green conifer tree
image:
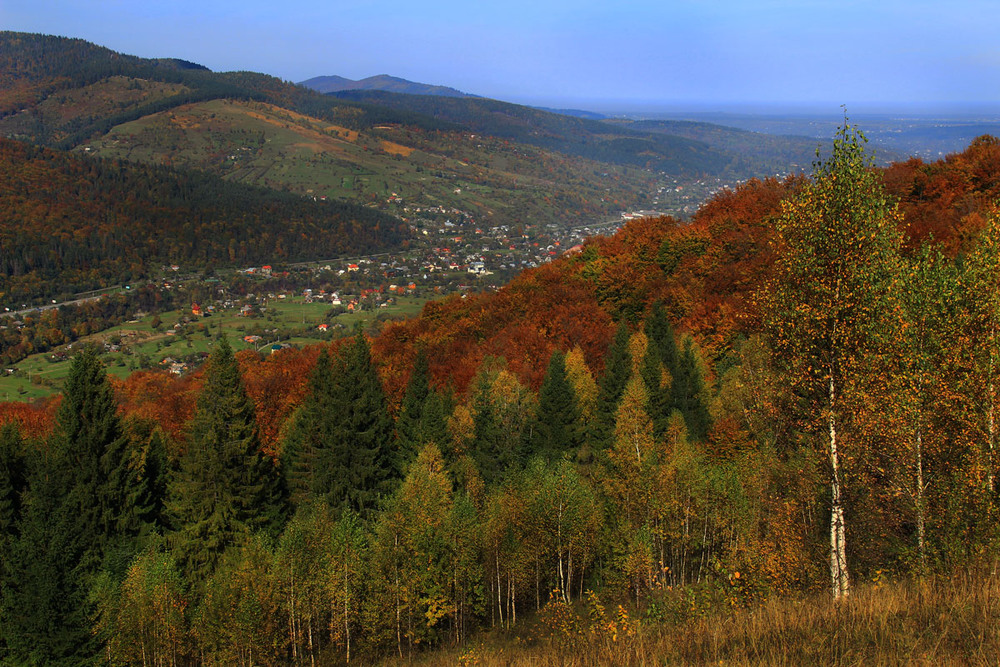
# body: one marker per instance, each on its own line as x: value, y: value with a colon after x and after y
x: 153, y: 492
x: 81, y: 516
x: 434, y: 421
x: 357, y: 468
x: 659, y: 367
x: 104, y: 486
x: 408, y: 425
x: 311, y: 431
x: 501, y: 414
x: 45, y: 616
x: 225, y: 487
x: 12, y: 480
x: 558, y: 429
x: 617, y: 370
x: 689, y: 391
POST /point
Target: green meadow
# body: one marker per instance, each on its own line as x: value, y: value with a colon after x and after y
x: 290, y: 320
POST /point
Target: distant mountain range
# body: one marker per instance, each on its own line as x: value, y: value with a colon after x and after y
x: 678, y: 148
x: 407, y: 155
x: 392, y: 84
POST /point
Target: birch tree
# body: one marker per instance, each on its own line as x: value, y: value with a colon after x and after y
x: 836, y: 244
x: 981, y: 287
x: 929, y: 292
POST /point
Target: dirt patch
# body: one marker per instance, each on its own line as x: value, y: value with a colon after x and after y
x: 396, y: 149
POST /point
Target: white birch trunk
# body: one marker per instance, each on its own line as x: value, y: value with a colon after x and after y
x: 921, y: 528
x: 838, y: 550
x: 991, y: 435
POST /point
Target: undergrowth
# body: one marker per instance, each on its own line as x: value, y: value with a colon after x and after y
x: 932, y: 621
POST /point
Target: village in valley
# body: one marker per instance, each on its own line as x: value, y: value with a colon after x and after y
x: 272, y: 307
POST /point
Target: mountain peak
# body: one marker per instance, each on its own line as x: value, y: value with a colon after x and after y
x: 386, y: 82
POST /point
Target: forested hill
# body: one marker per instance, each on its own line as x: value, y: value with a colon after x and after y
x: 74, y: 224
x: 706, y: 274
x: 681, y: 148
x: 64, y: 93
x: 61, y: 92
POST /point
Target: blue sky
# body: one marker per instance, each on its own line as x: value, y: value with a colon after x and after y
x: 690, y: 54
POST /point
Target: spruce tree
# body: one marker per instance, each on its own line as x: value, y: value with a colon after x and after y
x: 433, y: 427
x: 558, y: 428
x: 79, y: 517
x: 45, y: 613
x: 12, y: 480
x: 103, y: 485
x: 411, y: 412
x: 225, y: 487
x: 660, y: 334
x: 659, y: 367
x: 689, y: 391
x: 356, y: 467
x: 617, y: 370
x: 310, y: 432
x: 501, y: 415
x: 153, y: 491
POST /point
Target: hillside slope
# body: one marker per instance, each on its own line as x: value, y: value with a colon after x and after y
x: 399, y: 168
x: 467, y: 153
x: 71, y: 94
x: 74, y: 224
x: 705, y: 273
x: 678, y: 148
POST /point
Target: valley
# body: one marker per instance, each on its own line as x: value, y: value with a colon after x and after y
x: 398, y: 375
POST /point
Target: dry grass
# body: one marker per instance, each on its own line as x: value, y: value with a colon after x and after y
x: 953, y: 621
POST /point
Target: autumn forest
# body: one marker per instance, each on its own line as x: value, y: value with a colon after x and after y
x: 790, y: 397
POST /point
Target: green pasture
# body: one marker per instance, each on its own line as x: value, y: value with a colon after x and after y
x: 290, y: 320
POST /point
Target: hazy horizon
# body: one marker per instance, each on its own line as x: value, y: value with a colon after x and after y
x: 679, y: 55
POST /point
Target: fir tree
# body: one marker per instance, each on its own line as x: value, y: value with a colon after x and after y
x: 311, y: 431
x: 558, y: 421
x: 617, y: 370
x: 12, y: 479
x: 659, y: 367
x: 408, y: 425
x: 225, y: 487
x: 356, y: 467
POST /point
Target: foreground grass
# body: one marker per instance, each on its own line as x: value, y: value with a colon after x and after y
x: 953, y: 621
